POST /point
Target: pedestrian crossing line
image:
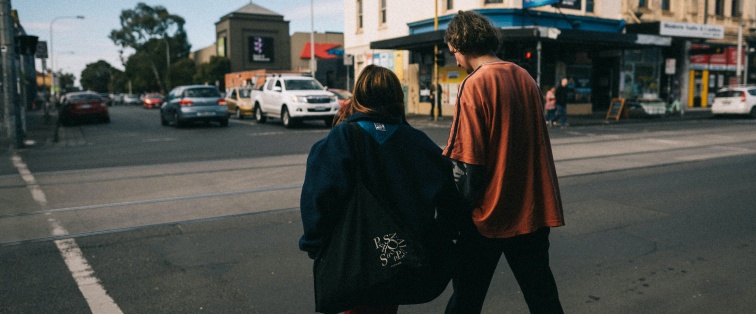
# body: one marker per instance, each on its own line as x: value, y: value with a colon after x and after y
x: 94, y: 293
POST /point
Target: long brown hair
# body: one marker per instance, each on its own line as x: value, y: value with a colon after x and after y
x: 377, y: 91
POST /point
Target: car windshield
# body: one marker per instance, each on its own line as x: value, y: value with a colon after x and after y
x: 154, y: 96
x: 729, y: 93
x: 84, y: 97
x: 202, y: 92
x: 302, y: 85
x: 244, y: 93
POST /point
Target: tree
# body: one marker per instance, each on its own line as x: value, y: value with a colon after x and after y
x: 65, y: 83
x: 157, y: 34
x: 213, y: 71
x: 183, y: 71
x: 99, y: 77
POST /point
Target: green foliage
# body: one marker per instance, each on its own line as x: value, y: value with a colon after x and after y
x: 182, y: 72
x: 65, y: 83
x: 213, y: 71
x: 158, y: 39
x: 99, y: 77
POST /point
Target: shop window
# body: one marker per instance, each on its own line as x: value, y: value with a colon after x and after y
x: 382, y: 11
x: 719, y: 7
x: 641, y: 73
x: 359, y: 15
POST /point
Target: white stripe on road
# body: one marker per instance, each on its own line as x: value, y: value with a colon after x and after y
x: 94, y: 293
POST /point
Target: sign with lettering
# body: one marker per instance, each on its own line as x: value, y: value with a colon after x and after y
x: 261, y: 49
x: 616, y: 109
x: 691, y: 30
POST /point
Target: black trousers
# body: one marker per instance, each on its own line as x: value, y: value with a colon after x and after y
x: 527, y: 256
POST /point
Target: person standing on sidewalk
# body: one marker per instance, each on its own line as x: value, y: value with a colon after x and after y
x: 504, y: 168
x: 562, y: 93
x: 550, y: 106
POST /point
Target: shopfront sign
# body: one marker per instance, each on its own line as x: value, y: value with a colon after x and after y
x: 691, y: 30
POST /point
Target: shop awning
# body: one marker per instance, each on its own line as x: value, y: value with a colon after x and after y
x: 601, y: 40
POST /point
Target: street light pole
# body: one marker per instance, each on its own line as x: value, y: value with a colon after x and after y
x: 312, y: 39
x: 52, y: 63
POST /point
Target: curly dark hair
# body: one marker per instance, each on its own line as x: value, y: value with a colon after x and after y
x: 472, y: 34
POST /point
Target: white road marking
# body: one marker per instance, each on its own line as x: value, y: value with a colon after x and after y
x: 94, y: 293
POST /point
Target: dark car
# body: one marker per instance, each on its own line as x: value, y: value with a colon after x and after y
x: 193, y: 103
x: 80, y: 106
x: 152, y: 100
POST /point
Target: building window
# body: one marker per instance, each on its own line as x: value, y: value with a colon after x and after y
x: 589, y: 6
x: 359, y: 15
x: 494, y: 1
x: 719, y: 7
x: 449, y: 4
x: 665, y: 5
x: 737, y: 9
x: 643, y: 4
x: 383, y: 12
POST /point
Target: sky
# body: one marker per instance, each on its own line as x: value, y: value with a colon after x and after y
x: 78, y: 42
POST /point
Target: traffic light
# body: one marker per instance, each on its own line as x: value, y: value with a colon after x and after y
x: 440, y: 58
x: 527, y: 55
x: 528, y: 58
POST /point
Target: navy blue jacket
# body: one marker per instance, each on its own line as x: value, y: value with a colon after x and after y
x: 406, y: 170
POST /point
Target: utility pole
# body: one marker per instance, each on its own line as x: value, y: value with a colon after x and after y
x: 434, y: 81
x: 9, y: 82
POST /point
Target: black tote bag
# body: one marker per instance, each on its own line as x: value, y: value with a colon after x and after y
x: 374, y: 257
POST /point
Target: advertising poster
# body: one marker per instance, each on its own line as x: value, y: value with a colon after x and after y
x: 261, y: 49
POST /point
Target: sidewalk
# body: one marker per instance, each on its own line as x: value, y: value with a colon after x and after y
x: 597, y: 118
x: 38, y: 131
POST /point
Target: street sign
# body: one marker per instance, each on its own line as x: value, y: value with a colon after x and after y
x: 669, y: 69
x: 41, y: 50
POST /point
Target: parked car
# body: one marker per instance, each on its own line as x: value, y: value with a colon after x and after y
x: 191, y: 103
x: 239, y: 102
x: 106, y: 97
x: 343, y: 95
x: 739, y: 99
x: 130, y: 99
x: 78, y: 106
x: 152, y: 100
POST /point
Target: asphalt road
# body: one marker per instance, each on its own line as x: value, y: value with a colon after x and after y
x: 147, y: 219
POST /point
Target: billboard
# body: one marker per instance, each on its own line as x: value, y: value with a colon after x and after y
x: 261, y: 49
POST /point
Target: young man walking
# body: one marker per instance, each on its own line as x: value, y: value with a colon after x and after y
x: 504, y: 168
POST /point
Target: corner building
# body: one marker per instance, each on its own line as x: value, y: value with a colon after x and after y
x: 607, y: 49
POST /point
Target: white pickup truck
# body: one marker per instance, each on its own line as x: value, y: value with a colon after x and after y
x: 293, y: 98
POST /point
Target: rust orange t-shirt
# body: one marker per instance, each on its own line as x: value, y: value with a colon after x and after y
x: 499, y: 123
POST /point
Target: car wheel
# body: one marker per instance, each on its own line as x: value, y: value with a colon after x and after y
x: 238, y: 114
x: 176, y: 120
x: 259, y: 115
x: 224, y: 122
x: 106, y: 119
x: 753, y: 112
x: 163, y: 121
x: 286, y: 119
